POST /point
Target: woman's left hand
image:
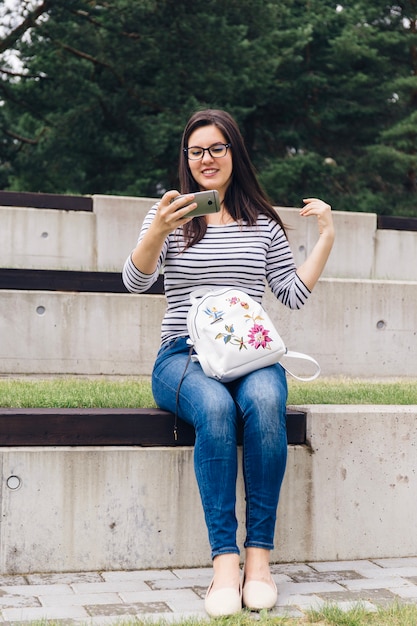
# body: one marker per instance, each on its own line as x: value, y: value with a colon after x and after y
x: 323, y: 211
x: 311, y: 269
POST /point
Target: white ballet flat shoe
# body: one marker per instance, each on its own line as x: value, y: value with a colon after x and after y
x: 223, y: 602
x: 258, y: 595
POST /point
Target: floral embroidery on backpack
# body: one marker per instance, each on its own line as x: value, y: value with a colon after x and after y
x: 214, y: 314
x: 258, y: 336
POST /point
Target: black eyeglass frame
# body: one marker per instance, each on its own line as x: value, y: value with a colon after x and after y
x: 213, y: 156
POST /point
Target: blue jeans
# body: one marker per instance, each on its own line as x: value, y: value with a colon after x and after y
x: 258, y: 400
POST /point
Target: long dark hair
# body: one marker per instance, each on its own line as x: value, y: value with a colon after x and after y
x: 244, y: 198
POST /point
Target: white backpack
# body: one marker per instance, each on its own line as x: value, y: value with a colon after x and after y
x: 233, y: 335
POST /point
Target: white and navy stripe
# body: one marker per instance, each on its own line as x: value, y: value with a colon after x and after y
x: 234, y: 255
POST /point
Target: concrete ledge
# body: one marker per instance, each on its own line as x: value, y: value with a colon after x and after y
x: 101, y: 239
x: 349, y: 494
x: 55, y: 332
x: 48, y: 239
x: 369, y: 329
x: 85, y: 203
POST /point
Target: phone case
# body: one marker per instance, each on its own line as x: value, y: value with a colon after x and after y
x: 207, y: 202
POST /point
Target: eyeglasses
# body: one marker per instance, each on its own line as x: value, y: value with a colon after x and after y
x: 216, y: 151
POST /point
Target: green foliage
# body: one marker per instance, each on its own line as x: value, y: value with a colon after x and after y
x: 325, y: 94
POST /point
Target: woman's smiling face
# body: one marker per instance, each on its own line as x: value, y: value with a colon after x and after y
x: 209, y: 172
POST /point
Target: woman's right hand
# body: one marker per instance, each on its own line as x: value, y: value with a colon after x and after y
x: 172, y: 211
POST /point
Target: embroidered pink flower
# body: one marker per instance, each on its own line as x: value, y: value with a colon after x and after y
x: 258, y: 337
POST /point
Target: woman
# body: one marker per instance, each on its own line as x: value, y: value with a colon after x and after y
x: 245, y: 246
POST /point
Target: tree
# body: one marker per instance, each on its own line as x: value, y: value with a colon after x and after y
x: 114, y: 84
x: 325, y: 95
x: 349, y: 75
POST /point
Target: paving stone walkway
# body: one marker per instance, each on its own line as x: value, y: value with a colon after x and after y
x: 108, y: 597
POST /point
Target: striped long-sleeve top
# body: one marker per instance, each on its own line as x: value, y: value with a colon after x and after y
x: 234, y: 255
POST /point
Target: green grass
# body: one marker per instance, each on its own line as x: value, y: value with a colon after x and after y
x: 330, y: 615
x: 394, y: 615
x: 76, y: 392
x: 353, y: 391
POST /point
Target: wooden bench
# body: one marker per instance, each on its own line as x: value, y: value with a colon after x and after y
x: 109, y: 427
x: 35, y: 200
x: 68, y: 280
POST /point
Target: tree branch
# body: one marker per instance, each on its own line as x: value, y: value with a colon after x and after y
x: 88, y: 57
x: 19, y: 74
x: 27, y: 23
x: 13, y: 135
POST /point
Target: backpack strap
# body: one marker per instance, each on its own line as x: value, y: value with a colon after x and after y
x: 305, y: 357
x: 177, y: 396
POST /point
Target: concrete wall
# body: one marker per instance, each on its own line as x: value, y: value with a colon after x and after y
x: 352, y: 327
x: 350, y: 494
x: 360, y: 321
x: 101, y: 240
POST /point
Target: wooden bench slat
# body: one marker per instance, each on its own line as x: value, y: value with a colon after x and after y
x: 68, y: 280
x: 393, y: 222
x: 109, y: 427
x: 35, y: 200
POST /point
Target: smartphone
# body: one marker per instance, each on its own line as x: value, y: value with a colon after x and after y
x: 207, y: 202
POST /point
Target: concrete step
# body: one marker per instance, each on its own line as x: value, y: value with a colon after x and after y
x: 354, y: 328
x: 348, y: 493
